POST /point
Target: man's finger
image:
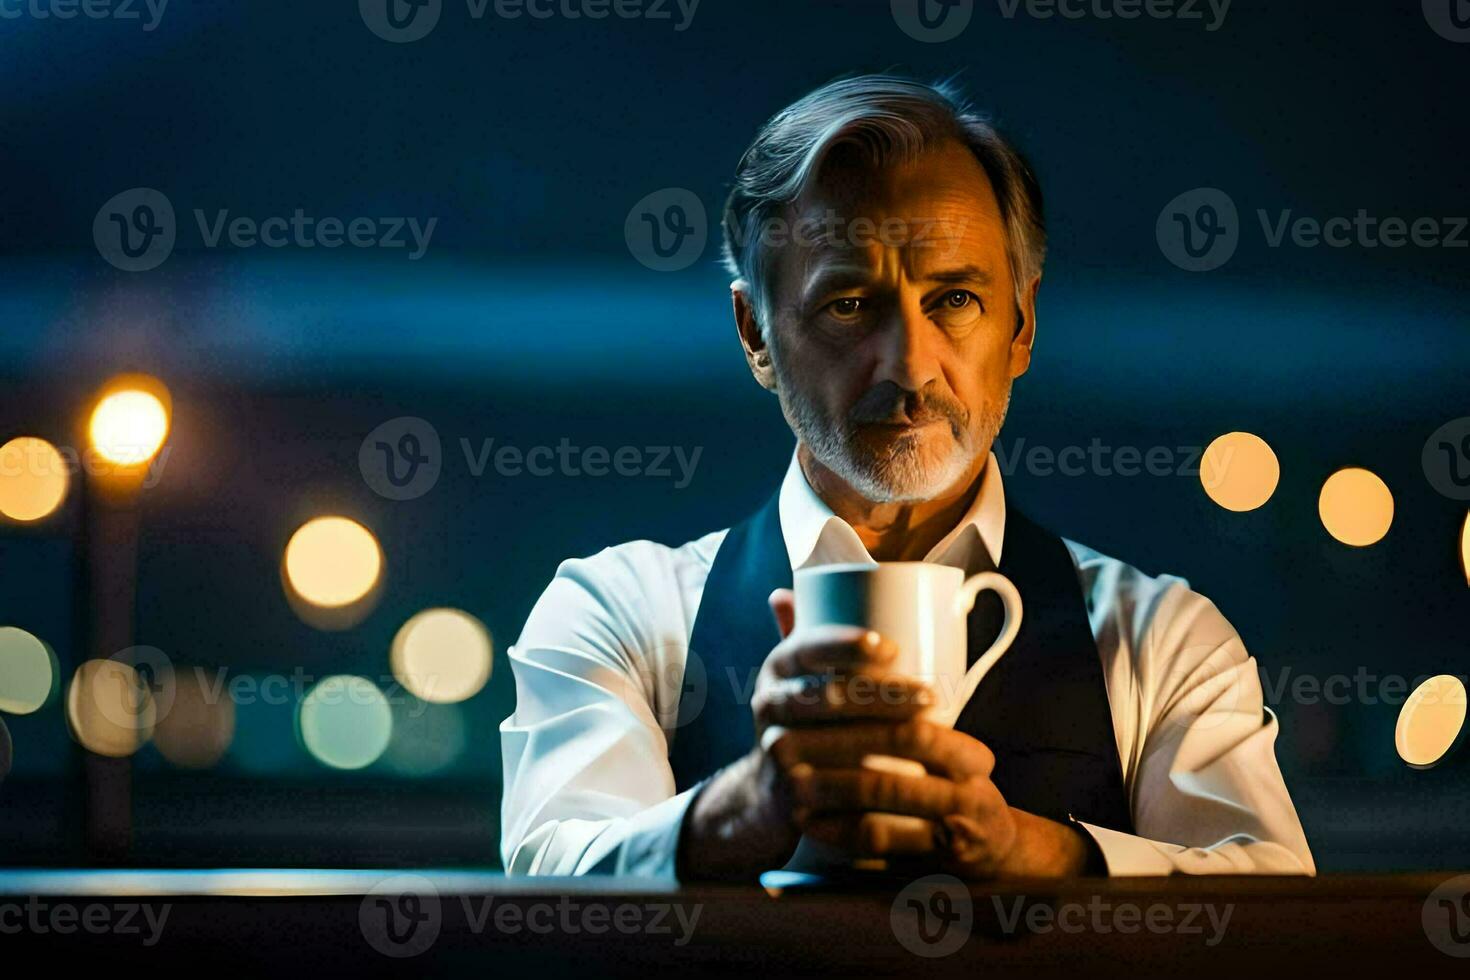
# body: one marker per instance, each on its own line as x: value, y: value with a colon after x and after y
x: 812, y: 699
x: 783, y: 607
x: 932, y: 797
x: 943, y: 751
x: 873, y: 834
x: 830, y: 648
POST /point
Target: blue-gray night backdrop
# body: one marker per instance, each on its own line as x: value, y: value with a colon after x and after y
x: 529, y: 319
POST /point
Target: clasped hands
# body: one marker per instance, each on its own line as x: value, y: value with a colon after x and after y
x: 824, y: 700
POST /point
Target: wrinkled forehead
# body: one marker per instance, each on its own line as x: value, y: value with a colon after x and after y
x: 935, y: 209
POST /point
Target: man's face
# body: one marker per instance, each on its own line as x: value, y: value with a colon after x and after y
x: 893, y: 322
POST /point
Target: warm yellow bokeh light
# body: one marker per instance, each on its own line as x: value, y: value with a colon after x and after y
x: 1356, y: 507
x: 1430, y: 720
x: 109, y: 708
x: 1239, y: 471
x: 1465, y: 548
x: 26, y: 672
x: 442, y: 655
x: 199, y: 725
x: 33, y: 479
x: 333, y: 561
x: 129, y: 426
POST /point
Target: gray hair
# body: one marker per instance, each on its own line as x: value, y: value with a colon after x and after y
x: 890, y: 118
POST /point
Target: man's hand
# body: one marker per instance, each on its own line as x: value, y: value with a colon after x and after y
x: 965, y: 822
x: 743, y: 820
x: 823, y: 701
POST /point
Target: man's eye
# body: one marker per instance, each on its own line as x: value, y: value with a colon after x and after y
x: 958, y: 299
x: 847, y: 307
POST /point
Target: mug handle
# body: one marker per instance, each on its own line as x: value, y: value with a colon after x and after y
x: 1010, y: 599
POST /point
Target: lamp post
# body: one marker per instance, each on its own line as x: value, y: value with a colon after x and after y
x: 126, y: 428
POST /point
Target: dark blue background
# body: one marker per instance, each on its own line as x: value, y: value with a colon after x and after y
x: 528, y: 321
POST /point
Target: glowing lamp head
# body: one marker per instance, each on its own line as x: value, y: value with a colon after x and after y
x: 129, y: 426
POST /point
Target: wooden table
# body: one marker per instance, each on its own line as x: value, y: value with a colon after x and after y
x: 359, y: 923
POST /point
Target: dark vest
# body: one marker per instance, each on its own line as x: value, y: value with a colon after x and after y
x: 1042, y: 709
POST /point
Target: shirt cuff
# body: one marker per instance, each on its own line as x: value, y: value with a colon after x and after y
x: 1128, y: 856
x: 651, y: 838
x: 1095, y: 864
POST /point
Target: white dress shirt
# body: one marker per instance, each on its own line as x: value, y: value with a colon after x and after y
x: 599, y: 671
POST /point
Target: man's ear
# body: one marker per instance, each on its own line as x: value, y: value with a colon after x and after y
x: 757, y: 354
x: 1025, y: 337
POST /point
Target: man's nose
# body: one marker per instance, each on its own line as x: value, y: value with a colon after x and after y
x: 908, y: 348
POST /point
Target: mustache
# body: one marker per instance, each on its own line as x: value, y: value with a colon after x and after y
x: 889, y: 404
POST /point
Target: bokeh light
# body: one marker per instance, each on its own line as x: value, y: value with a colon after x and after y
x: 1465, y: 548
x: 1239, y: 471
x: 199, y: 725
x: 1356, y: 507
x: 1430, y: 721
x: 33, y: 479
x: 27, y: 672
x: 333, y: 562
x: 442, y: 655
x: 129, y: 426
x: 345, y: 722
x: 110, y: 708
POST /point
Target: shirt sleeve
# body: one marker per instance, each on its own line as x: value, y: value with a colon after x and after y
x: 1198, y: 746
x: 588, y: 785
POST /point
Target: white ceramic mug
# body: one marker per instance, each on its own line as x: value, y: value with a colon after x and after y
x: 924, y: 609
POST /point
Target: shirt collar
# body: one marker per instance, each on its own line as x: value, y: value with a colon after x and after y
x: 816, y: 536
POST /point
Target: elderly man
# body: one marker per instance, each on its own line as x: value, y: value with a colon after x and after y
x: 887, y: 245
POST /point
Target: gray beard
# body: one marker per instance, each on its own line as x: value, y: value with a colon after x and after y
x: 901, y: 475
